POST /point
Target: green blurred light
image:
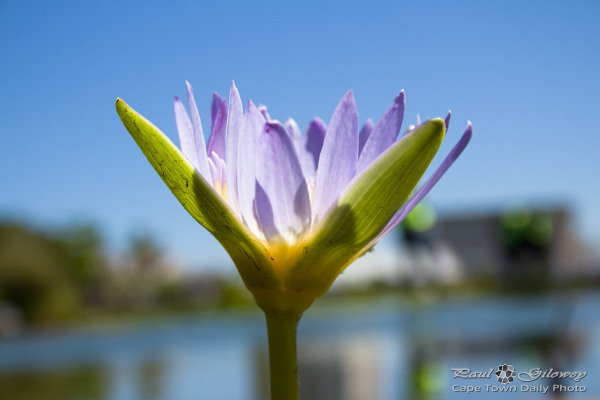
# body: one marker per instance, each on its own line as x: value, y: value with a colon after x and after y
x: 421, y: 218
x: 516, y: 217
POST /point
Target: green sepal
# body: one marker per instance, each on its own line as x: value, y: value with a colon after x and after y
x: 251, y: 258
x: 364, y: 209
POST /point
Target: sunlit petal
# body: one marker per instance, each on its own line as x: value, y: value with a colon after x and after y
x: 337, y: 161
x: 384, y: 133
x: 284, y: 207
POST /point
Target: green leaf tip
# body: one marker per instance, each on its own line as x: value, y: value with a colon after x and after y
x: 200, y: 199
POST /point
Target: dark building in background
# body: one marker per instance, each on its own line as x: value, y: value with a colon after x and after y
x: 528, y: 246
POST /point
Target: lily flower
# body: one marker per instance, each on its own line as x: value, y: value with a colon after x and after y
x: 293, y: 211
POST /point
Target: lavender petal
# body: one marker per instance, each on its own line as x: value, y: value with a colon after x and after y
x: 364, y: 134
x: 214, y: 171
x: 216, y: 141
x: 214, y: 108
x: 338, y: 158
x: 293, y: 130
x: 263, y: 109
x: 198, y: 135
x: 264, y: 213
x: 235, y: 119
x: 384, y: 133
x: 284, y: 209
x: 305, y: 158
x: 254, y: 122
x: 315, y: 135
x: 186, y: 133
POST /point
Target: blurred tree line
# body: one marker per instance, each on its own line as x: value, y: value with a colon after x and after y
x: 49, y: 278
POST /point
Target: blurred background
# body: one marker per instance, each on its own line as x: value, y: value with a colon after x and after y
x: 109, y: 290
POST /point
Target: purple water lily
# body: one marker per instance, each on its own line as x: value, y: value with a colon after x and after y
x: 281, y: 183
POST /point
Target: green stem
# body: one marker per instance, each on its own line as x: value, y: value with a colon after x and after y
x: 281, y: 329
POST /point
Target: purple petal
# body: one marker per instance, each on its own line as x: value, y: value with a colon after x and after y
x: 306, y: 162
x: 218, y: 124
x: 284, y: 207
x: 186, y: 133
x: 384, y: 133
x: 217, y: 170
x: 253, y: 126
x: 214, y: 108
x: 422, y: 192
x: 235, y: 120
x: 337, y: 162
x: 222, y: 172
x: 264, y: 213
x: 364, y: 134
x: 447, y: 120
x: 263, y: 109
x: 315, y: 134
x: 293, y: 130
x: 198, y: 135
x: 305, y: 158
x: 214, y: 170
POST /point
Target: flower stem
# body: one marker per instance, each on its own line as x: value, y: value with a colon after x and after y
x: 281, y: 329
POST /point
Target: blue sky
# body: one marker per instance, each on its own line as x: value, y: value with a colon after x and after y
x: 525, y: 74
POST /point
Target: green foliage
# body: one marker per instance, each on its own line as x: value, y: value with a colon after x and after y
x: 53, y: 277
x: 34, y: 276
x: 75, y: 383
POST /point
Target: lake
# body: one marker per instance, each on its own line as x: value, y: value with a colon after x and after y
x: 377, y: 349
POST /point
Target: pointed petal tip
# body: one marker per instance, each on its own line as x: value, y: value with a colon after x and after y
x: 178, y: 103
x: 189, y: 89
x: 464, y: 139
x: 190, y: 93
x: 401, y: 99
x: 349, y: 98
x: 447, y: 119
x: 234, y: 90
x: 469, y: 130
